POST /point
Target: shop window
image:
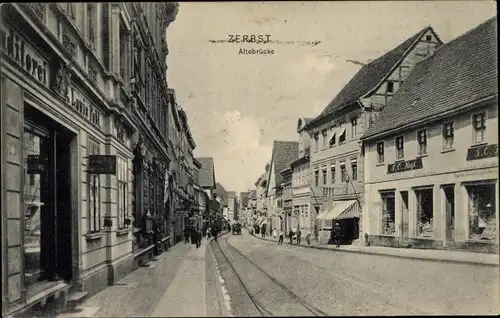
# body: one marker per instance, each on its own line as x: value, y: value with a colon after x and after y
x: 122, y: 192
x: 422, y: 142
x: 94, y: 186
x: 388, y: 213
x: 380, y: 152
x: 448, y: 136
x: 354, y: 169
x: 92, y: 21
x: 354, y: 127
x: 316, y: 178
x: 324, y: 138
x: 343, y: 172
x: 400, y: 152
x: 482, y: 213
x: 332, y: 172
x: 425, y: 213
x: 479, y: 124
x: 324, y: 175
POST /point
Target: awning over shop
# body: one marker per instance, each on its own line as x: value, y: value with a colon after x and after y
x: 341, y: 210
x: 259, y: 221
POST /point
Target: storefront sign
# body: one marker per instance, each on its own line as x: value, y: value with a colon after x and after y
x: 481, y: 152
x: 405, y: 166
x: 81, y: 104
x: 102, y: 164
x: 35, y: 166
x: 24, y: 55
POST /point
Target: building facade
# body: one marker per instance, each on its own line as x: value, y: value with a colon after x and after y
x: 231, y: 205
x: 289, y: 220
x: 432, y: 156
x: 336, y: 161
x: 305, y: 208
x: 283, y: 153
x: 65, y: 102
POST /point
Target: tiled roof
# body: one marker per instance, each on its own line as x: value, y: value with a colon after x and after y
x: 370, y: 76
x: 284, y: 152
x: 458, y: 73
x: 221, y: 193
x: 207, y: 172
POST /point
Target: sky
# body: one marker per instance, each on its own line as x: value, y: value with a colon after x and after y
x: 237, y: 104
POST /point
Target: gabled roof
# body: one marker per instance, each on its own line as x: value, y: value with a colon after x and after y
x: 458, y: 73
x: 370, y: 76
x: 207, y: 172
x: 284, y: 152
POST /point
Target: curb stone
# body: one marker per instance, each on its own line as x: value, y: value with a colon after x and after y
x: 471, y: 262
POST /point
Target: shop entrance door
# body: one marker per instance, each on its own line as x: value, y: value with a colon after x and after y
x: 48, y: 234
x: 404, y: 214
x: 449, y: 195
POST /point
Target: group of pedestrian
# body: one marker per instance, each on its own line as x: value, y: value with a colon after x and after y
x: 195, y: 235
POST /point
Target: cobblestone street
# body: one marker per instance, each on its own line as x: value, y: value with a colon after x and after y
x: 357, y: 284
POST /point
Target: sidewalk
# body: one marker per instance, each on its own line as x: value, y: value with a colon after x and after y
x: 173, y: 286
x: 422, y: 254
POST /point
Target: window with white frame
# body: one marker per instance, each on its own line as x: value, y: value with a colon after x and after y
x: 94, y: 194
x: 316, y: 141
x: 324, y: 175
x: 354, y: 169
x: 400, y: 152
x: 422, y: 141
x: 479, y: 124
x: 122, y: 191
x: 332, y: 172
x: 448, y: 136
x: 324, y: 138
x: 316, y: 177
x: 333, y: 139
x: 343, y: 172
x: 354, y: 127
x: 380, y: 152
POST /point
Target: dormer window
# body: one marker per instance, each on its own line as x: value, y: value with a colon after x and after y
x: 342, y: 136
x: 428, y: 38
x: 354, y: 126
x: 400, y: 153
x: 333, y: 138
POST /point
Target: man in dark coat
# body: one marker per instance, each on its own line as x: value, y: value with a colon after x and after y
x: 337, y: 232
x: 187, y: 234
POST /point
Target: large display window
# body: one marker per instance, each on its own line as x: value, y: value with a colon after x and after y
x: 482, y: 212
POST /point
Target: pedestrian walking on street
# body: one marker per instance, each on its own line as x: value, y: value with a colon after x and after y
x: 275, y: 233
x: 298, y: 236
x: 186, y: 235
x: 290, y: 236
x: 280, y: 240
x: 308, y: 239
x: 337, y: 232
x: 199, y: 238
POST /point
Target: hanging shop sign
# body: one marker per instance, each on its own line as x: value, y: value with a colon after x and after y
x: 24, y: 55
x: 34, y: 164
x: 102, y: 164
x: 405, y: 166
x: 481, y: 152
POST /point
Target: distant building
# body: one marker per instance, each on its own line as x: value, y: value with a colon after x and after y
x: 231, y: 205
x: 431, y: 158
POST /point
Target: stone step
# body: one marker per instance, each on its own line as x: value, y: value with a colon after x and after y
x: 77, y: 296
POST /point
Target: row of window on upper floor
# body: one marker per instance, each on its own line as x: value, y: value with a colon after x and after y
x: 329, y: 174
x: 299, y: 177
x: 336, y: 135
x: 478, y: 124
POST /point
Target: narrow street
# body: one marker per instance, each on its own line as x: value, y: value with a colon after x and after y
x: 339, y: 283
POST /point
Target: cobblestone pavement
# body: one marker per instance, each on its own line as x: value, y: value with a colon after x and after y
x: 361, y: 284
x: 179, y: 284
